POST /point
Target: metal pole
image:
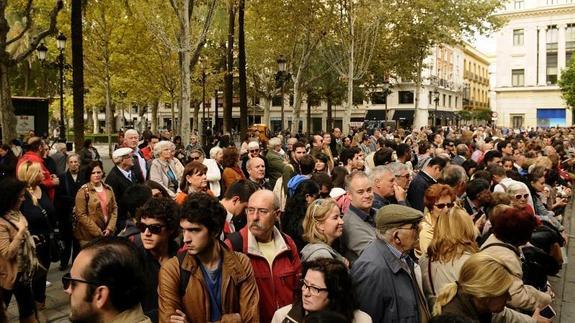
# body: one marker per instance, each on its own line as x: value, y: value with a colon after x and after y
x: 61, y: 69
x: 385, y: 119
x: 435, y: 113
x: 282, y: 103
x: 216, y: 127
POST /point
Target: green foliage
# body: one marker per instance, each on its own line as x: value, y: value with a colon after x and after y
x: 567, y: 84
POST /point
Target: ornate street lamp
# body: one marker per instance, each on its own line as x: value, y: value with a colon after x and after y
x: 436, y: 100
x: 281, y: 78
x: 60, y: 65
x: 386, y: 93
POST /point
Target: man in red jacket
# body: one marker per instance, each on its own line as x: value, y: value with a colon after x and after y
x: 273, y: 255
x: 35, y: 153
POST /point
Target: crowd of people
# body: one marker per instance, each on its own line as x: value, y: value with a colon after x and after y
x: 388, y: 225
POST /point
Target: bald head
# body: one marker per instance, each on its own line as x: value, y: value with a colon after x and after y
x: 256, y: 168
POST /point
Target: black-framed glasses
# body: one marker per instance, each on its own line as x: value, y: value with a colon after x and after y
x: 406, y: 176
x: 519, y: 196
x: 195, y: 158
x: 67, y: 280
x: 254, y: 151
x: 443, y: 205
x: 312, y: 289
x: 154, y: 228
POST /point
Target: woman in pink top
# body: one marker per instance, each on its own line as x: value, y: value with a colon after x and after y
x: 96, y: 210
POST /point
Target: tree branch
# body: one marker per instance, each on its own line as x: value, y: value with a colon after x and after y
x: 40, y: 36
x: 28, y: 15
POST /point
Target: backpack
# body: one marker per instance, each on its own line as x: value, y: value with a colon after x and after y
x: 184, y: 274
x: 535, y: 264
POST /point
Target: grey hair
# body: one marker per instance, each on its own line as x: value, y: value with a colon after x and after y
x: 274, y: 142
x: 452, y: 175
x: 214, y: 151
x: 72, y: 155
x: 59, y: 146
x: 378, y: 172
x: 162, y: 145
x: 132, y: 131
x: 396, y: 168
x: 117, y: 160
x: 514, y: 187
x: 384, y: 233
x: 292, y: 140
x: 349, y: 178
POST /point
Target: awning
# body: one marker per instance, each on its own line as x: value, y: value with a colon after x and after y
x: 403, y: 114
x: 444, y: 114
x: 375, y: 115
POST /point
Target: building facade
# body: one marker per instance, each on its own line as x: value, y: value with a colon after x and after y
x: 476, y: 79
x: 532, y: 49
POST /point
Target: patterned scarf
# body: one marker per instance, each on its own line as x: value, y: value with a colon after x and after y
x: 26, y: 260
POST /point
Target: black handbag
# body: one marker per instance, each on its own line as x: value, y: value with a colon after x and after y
x: 56, y: 246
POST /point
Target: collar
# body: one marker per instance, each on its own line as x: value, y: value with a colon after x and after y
x: 394, y: 258
x: 279, y: 243
x: 427, y: 176
x: 366, y: 217
x: 126, y: 174
x: 134, y: 314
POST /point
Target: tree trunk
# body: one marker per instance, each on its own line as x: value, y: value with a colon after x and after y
x: 109, y: 111
x: 297, y: 100
x: 229, y: 77
x: 7, y: 110
x: 329, y: 121
x: 350, y: 74
x: 267, y: 103
x: 186, y: 86
x: 242, y: 71
x: 308, y: 119
x: 95, y: 120
x: 154, y: 116
x: 77, y: 73
x: 421, y: 114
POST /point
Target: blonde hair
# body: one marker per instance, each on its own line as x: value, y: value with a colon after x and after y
x: 28, y: 172
x: 316, y: 213
x: 482, y: 276
x: 454, y: 235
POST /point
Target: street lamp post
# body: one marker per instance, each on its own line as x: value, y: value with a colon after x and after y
x: 281, y: 77
x: 203, y: 124
x: 436, y: 100
x: 60, y: 65
x: 385, y: 93
x: 216, y: 125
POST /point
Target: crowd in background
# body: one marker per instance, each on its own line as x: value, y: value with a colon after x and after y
x: 382, y: 225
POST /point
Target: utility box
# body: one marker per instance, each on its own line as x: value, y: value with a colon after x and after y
x: 31, y: 114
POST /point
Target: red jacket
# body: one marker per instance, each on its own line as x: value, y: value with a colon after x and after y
x: 47, y: 180
x: 276, y: 287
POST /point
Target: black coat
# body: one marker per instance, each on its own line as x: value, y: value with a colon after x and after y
x: 119, y: 184
x: 8, y: 164
x: 417, y: 189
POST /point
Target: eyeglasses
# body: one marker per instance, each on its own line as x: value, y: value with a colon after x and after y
x: 254, y: 151
x: 312, y: 289
x: 443, y: 205
x: 407, y: 176
x: 67, y: 280
x: 414, y: 226
x: 154, y: 228
x: 194, y: 158
x: 519, y: 196
x: 252, y: 210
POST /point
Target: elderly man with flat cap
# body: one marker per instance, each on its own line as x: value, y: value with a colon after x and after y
x: 384, y: 275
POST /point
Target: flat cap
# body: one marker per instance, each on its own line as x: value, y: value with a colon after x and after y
x: 121, y: 152
x: 394, y: 215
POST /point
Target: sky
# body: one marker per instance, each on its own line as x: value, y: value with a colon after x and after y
x: 484, y: 44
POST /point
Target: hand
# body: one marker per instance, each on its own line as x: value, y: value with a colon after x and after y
x: 55, y: 180
x: 480, y: 223
x: 539, y: 318
x: 106, y: 233
x: 179, y: 317
x: 550, y: 292
x: 399, y: 192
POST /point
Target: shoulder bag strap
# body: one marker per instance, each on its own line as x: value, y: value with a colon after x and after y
x: 429, y: 274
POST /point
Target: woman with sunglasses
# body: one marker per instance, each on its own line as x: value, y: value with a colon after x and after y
x: 96, y: 208
x: 17, y: 251
x: 326, y: 285
x: 165, y: 169
x: 322, y: 226
x: 40, y: 214
x: 157, y: 220
x: 438, y: 200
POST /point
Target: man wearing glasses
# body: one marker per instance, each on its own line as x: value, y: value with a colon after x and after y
x: 384, y: 274
x: 273, y: 255
x: 158, y: 223
x: 253, y: 152
x: 106, y: 283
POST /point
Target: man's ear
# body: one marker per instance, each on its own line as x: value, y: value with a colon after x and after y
x: 101, y: 297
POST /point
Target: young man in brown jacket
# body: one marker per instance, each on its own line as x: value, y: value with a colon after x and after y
x: 208, y: 282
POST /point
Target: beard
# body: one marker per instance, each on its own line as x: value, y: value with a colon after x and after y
x: 90, y: 316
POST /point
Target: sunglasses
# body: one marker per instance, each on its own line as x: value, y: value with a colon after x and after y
x: 254, y: 151
x: 443, y: 205
x: 67, y: 280
x: 519, y: 196
x: 194, y: 158
x: 153, y: 228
